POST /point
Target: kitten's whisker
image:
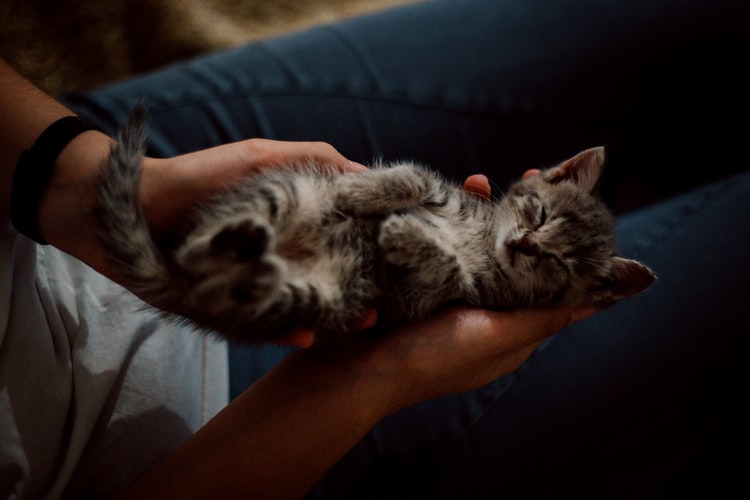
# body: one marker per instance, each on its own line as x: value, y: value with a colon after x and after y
x: 496, y: 189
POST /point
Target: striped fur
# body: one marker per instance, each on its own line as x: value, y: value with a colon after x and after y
x: 303, y: 247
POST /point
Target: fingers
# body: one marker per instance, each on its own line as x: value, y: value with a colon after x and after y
x: 479, y: 185
x: 531, y: 173
x: 529, y: 326
x: 513, y: 330
x: 319, y: 152
x: 298, y: 338
x: 513, y: 360
x: 547, y: 324
x: 461, y: 349
x: 305, y: 338
x: 369, y: 320
x: 581, y: 313
x: 520, y: 329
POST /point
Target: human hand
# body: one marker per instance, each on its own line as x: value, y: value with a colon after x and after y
x: 463, y: 349
x: 454, y: 351
x: 479, y: 185
x: 170, y: 188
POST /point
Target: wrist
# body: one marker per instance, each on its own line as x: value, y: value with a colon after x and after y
x: 34, y: 170
x: 66, y: 215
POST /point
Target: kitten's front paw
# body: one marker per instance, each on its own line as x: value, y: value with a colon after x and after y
x: 357, y: 195
x: 380, y: 190
x: 404, y: 242
x: 427, y: 270
x: 393, y: 240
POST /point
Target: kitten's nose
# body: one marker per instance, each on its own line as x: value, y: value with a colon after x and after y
x: 524, y: 245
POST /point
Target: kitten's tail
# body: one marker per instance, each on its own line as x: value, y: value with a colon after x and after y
x: 124, y: 232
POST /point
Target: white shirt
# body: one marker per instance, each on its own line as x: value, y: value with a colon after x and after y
x: 94, y: 387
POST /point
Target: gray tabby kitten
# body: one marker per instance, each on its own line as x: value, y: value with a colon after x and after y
x: 304, y: 247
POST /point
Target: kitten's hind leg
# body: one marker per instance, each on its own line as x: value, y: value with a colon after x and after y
x: 236, y: 240
x: 405, y: 241
x: 229, y: 265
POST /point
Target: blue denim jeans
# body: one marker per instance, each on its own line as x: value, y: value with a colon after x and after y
x: 609, y: 407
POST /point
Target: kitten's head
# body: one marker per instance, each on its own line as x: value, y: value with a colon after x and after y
x: 555, y: 241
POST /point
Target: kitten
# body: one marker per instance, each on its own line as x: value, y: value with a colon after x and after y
x: 304, y: 247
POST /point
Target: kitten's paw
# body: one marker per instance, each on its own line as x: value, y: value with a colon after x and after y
x: 242, y: 241
x: 392, y: 240
x: 257, y: 282
x: 232, y: 268
x: 244, y: 289
x: 409, y: 241
x: 380, y: 190
x: 404, y: 241
x: 212, y: 251
x: 358, y: 195
x: 428, y: 271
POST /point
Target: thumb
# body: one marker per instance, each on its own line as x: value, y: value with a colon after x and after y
x: 524, y: 327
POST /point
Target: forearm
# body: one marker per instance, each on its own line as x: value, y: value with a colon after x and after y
x: 279, y: 437
x: 65, y: 212
x: 27, y: 111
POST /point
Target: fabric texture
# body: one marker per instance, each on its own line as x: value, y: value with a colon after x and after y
x: 94, y: 389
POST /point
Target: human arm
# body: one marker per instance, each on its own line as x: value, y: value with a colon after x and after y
x: 27, y: 112
x: 283, y: 433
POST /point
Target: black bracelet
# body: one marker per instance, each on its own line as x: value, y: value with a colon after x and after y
x: 34, y: 169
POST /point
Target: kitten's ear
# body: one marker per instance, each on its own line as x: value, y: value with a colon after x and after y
x: 626, y: 277
x: 583, y: 169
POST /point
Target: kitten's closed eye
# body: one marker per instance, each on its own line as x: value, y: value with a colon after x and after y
x: 534, y: 212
